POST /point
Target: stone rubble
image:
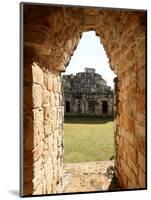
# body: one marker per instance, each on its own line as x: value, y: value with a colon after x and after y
x: 89, y: 177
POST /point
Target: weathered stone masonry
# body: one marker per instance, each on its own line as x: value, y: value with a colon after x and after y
x: 51, y: 35
x: 87, y: 94
x: 43, y: 139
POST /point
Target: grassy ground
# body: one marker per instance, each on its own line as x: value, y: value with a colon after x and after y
x: 88, y: 139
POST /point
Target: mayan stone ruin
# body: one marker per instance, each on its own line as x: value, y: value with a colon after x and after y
x: 87, y: 94
x: 51, y: 34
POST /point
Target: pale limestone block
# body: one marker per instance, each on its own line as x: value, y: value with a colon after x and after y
x: 37, y: 73
x: 37, y: 96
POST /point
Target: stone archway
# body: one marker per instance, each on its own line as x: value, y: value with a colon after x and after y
x: 51, y: 35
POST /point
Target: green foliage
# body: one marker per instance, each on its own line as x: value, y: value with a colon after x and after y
x: 88, y: 139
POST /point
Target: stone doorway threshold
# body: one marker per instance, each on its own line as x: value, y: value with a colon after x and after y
x: 89, y: 176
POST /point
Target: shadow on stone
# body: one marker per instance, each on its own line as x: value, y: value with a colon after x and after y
x: 114, y: 184
x: 110, y: 173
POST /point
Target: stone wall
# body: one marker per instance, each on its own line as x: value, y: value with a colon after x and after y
x: 89, y: 105
x: 43, y: 128
x: 130, y: 135
x: 51, y: 35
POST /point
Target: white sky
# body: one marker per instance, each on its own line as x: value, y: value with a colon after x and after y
x: 90, y: 53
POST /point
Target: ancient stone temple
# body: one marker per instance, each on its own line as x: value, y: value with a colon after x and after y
x: 87, y: 93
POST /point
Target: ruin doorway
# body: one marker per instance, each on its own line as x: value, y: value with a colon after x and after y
x: 67, y: 106
x: 88, y: 91
x: 104, y: 107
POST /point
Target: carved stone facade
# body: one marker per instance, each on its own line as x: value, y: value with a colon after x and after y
x: 87, y: 94
x: 51, y: 34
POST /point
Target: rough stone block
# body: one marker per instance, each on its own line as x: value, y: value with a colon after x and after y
x: 130, y: 55
x: 139, y: 130
x: 44, y: 189
x: 125, y: 122
x: 49, y: 187
x: 116, y: 55
x: 126, y: 170
x: 141, y: 103
x: 50, y: 141
x: 68, y: 46
x: 56, y: 100
x: 132, y: 152
x: 37, y: 96
x: 141, y: 61
x: 141, y: 161
x: 142, y: 178
x: 38, y: 151
x: 46, y: 153
x: 38, y: 166
x: 37, y: 180
x: 91, y: 19
x: 124, y: 178
x: 131, y: 138
x: 38, y: 189
x: 46, y: 95
x: 38, y: 76
x: 140, y: 119
x: 141, y: 83
x: 38, y: 134
x: 38, y: 118
x: 140, y: 143
x: 132, y: 165
x: 142, y: 46
x: 47, y: 129
x: 46, y: 112
x: 131, y: 127
x: 50, y: 82
x: 52, y: 99
x: 132, y: 106
x: 132, y: 181
x: 55, y: 84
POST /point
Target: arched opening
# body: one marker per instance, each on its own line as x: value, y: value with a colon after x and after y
x: 51, y: 35
x: 67, y: 106
x: 104, y: 107
x: 88, y: 130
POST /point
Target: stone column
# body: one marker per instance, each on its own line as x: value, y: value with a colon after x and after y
x: 43, y: 126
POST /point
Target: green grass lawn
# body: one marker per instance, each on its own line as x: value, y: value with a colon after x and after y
x: 88, y: 139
